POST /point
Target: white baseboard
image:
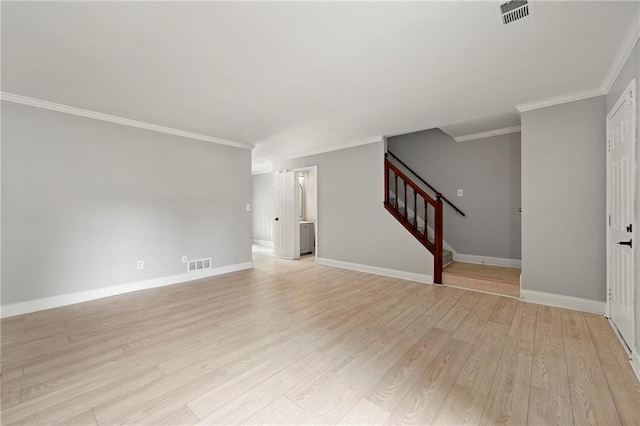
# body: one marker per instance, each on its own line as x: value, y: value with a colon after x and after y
x: 561, y: 301
x: 85, y: 296
x: 635, y: 362
x: 265, y: 243
x: 393, y: 273
x: 487, y: 260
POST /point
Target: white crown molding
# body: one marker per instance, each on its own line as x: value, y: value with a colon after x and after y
x: 39, y: 103
x: 331, y: 148
x: 393, y: 273
x: 487, y: 134
x: 628, y: 43
x: 98, y: 293
x: 572, y: 97
x: 561, y: 301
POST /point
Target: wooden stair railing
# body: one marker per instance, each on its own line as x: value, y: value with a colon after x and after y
x: 402, y: 194
x: 445, y: 199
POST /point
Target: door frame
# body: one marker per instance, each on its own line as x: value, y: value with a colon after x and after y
x: 632, y: 86
x: 306, y: 169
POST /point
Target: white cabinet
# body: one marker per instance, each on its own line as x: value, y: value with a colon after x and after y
x: 307, y: 237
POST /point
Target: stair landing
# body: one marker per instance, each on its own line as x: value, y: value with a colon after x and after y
x: 491, y: 279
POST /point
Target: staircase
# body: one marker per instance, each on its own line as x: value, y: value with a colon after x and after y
x: 420, y: 213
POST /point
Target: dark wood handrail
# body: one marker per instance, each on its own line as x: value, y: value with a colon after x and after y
x: 434, y: 247
x: 412, y: 184
x: 426, y: 183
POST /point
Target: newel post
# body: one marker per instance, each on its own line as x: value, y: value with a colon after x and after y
x: 437, y: 242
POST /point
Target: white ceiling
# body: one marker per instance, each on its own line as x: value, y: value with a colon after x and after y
x: 293, y: 78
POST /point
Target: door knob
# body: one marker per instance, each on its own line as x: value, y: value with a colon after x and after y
x: 626, y: 243
x: 276, y: 218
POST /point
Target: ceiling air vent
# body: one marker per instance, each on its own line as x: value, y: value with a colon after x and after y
x: 514, y: 11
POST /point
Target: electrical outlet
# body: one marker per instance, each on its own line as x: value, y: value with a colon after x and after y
x: 140, y: 264
x: 248, y: 207
x: 184, y: 259
x: 459, y: 192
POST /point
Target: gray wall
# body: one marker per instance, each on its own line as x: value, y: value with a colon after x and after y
x: 83, y: 200
x: 630, y: 71
x: 563, y: 199
x: 353, y: 225
x: 262, y: 208
x: 488, y: 171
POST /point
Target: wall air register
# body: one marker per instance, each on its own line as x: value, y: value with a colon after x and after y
x: 514, y: 11
x: 197, y: 264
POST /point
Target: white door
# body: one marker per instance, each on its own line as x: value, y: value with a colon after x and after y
x: 621, y: 170
x: 286, y: 229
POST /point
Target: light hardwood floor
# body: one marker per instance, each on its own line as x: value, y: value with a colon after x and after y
x: 291, y: 342
x: 487, y: 278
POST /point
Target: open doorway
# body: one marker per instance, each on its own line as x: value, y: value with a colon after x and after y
x: 285, y: 214
x: 307, y: 210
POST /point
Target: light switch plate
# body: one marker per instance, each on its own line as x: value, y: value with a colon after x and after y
x: 459, y: 192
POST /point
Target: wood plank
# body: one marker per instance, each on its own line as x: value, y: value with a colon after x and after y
x: 339, y: 398
x: 280, y: 411
x: 448, y: 297
x: 477, y: 284
x: 574, y: 325
x: 243, y: 396
x: 523, y: 325
x: 546, y: 408
x: 365, y: 413
x: 508, y: 398
x: 456, y: 315
x: 160, y: 397
x: 397, y: 383
x: 549, y: 320
x: 504, y: 311
x: 80, y: 381
x: 408, y: 316
x: 86, y: 418
x: 181, y: 416
x: 58, y: 406
x: 479, y: 370
x: 388, y: 356
x: 422, y: 404
x: 472, y: 326
x: 590, y: 397
x: 549, y: 364
x: 487, y: 272
x: 624, y: 387
x: 462, y: 407
x: 487, y: 278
